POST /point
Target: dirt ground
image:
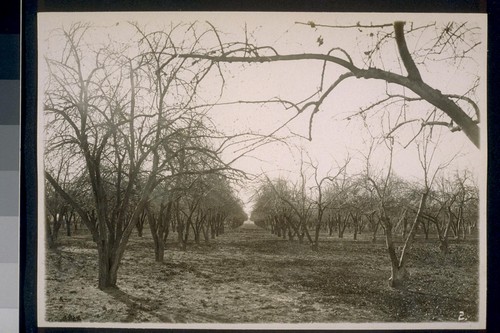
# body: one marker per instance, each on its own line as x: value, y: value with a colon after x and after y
x: 250, y: 276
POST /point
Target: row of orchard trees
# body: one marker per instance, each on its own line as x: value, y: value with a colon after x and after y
x: 201, y: 210
x: 125, y: 142
x: 444, y: 206
x: 452, y: 209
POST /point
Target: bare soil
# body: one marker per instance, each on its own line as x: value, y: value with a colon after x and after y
x: 250, y: 276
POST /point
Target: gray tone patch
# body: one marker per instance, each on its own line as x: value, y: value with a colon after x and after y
x: 9, y: 193
x: 9, y: 237
x: 9, y: 147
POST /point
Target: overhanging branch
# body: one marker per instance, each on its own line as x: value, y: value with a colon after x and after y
x: 410, y: 66
x: 413, y: 81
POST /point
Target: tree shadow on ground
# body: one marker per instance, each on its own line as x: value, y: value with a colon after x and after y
x: 136, y: 304
x: 163, y: 313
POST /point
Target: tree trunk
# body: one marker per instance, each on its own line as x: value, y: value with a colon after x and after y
x: 456, y: 233
x: 426, y: 230
x: 68, y: 224
x: 180, y: 232
x: 398, y: 273
x: 167, y: 229
x: 460, y: 223
x: 315, y: 245
x: 108, y: 267
x: 342, y: 224
x: 443, y: 239
x: 186, y: 235
x: 443, y: 246
x: 212, y: 227
x: 160, y: 251
x: 398, y: 276
x: 49, y: 233
x: 206, y: 233
x: 305, y: 231
x: 53, y: 233
x: 196, y: 236
x: 405, y: 227
x: 413, y: 231
x: 157, y: 227
x: 374, y: 235
x: 68, y: 228
x: 139, y: 229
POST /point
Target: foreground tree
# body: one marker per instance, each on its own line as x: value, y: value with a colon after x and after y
x: 386, y: 189
x: 110, y: 109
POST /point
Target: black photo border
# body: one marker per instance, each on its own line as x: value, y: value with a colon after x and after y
x: 28, y: 171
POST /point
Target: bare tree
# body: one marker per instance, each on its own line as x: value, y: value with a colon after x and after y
x: 298, y: 201
x: 450, y: 203
x: 269, y: 210
x: 285, y: 207
x: 384, y: 187
x: 112, y: 107
x: 321, y: 203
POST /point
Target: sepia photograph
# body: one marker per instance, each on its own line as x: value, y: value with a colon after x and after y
x: 247, y: 170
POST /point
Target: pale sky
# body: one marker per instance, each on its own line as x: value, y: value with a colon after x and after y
x: 333, y: 136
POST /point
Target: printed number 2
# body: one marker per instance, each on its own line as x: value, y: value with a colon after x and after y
x: 461, y: 316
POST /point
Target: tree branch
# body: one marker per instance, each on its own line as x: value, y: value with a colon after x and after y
x: 357, y: 25
x: 410, y: 66
x: 431, y: 95
x: 72, y: 202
